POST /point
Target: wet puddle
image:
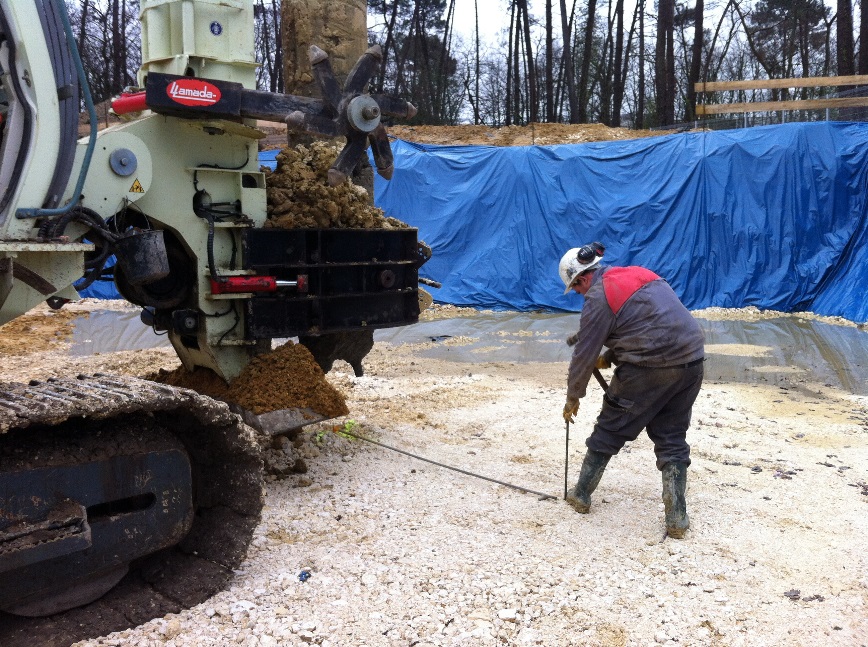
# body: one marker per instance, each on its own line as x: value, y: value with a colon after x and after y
x: 785, y: 350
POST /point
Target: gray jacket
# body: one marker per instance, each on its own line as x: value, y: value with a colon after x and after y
x: 651, y: 328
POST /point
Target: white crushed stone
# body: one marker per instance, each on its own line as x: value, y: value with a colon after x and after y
x: 400, y: 552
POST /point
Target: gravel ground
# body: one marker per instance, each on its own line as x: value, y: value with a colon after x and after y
x: 371, y: 547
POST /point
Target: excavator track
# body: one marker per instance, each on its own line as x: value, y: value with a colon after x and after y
x: 121, y: 500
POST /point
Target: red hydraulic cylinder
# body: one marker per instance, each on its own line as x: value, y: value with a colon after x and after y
x: 129, y: 102
x: 237, y: 284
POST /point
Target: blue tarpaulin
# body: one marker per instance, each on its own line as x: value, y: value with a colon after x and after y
x: 268, y: 158
x: 773, y: 217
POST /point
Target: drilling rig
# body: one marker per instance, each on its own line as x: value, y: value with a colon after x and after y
x: 98, y: 473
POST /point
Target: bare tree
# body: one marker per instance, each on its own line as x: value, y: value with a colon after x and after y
x: 695, y: 60
x: 269, y: 45
x: 640, y: 109
x: 476, y: 118
x: 390, y: 18
x: 584, y: 74
x: 569, y: 73
x: 664, y: 64
x: 844, y: 37
x: 863, y: 39
x: 509, y: 58
x: 530, y: 69
x: 82, y: 24
x: 549, y: 66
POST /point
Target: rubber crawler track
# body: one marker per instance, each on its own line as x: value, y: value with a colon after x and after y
x: 227, y: 481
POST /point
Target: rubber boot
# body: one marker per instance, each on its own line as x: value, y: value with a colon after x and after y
x: 674, y: 501
x: 589, y: 478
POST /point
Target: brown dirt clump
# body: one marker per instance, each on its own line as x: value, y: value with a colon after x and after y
x: 299, y: 196
x: 32, y: 333
x: 535, y: 134
x: 285, y: 378
x: 203, y: 380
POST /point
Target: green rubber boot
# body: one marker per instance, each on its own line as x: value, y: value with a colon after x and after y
x: 674, y: 501
x: 589, y: 478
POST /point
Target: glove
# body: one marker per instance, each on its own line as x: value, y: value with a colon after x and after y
x: 605, y: 359
x: 571, y: 408
x: 572, y: 339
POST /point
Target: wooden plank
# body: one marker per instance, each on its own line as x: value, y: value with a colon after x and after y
x: 763, y: 84
x: 771, y: 106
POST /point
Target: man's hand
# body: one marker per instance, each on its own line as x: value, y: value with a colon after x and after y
x: 605, y: 359
x: 571, y: 408
x: 572, y: 339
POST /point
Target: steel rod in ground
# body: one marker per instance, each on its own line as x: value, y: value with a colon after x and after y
x: 567, y: 460
x: 542, y: 495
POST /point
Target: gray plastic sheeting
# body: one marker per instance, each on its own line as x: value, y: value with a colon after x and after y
x: 790, y: 350
x: 785, y: 350
x: 110, y: 331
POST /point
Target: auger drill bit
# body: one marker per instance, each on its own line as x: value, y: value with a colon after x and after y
x: 352, y: 113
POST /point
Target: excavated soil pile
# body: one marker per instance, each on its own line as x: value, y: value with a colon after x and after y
x: 299, y: 195
x: 32, y: 333
x: 286, y: 378
x: 531, y: 135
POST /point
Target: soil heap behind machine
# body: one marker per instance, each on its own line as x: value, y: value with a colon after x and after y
x: 97, y: 472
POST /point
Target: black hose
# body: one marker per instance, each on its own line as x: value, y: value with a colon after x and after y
x: 211, y: 266
x: 51, y: 229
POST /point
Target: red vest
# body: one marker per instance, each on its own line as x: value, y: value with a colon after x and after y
x: 621, y: 283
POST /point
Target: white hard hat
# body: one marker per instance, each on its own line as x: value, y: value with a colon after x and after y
x: 578, y: 260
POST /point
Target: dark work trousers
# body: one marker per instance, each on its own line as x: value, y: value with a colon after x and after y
x: 659, y: 399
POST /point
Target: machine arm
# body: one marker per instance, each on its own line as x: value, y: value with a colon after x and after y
x: 345, y: 112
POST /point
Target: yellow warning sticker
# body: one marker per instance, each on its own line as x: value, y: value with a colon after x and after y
x: 137, y: 187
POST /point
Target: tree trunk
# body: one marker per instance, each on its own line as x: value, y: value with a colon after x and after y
x: 640, y: 107
x: 440, y: 84
x: 569, y: 72
x: 116, y: 49
x: 533, y: 102
x: 846, y: 63
x: 476, y: 119
x: 584, y: 79
x: 670, y: 64
x: 695, y: 60
x: 277, y: 69
x: 516, y: 68
x: 863, y: 42
x: 618, y: 83
x: 85, y: 5
x: 664, y: 65
x: 625, y: 64
x: 387, y: 47
x: 550, y: 64
x: 508, y: 117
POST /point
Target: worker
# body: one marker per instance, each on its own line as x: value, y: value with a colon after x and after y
x: 633, y: 319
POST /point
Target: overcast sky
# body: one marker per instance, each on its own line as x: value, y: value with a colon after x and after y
x: 494, y: 15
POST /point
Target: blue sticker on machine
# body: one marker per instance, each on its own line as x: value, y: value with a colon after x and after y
x: 216, y: 28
